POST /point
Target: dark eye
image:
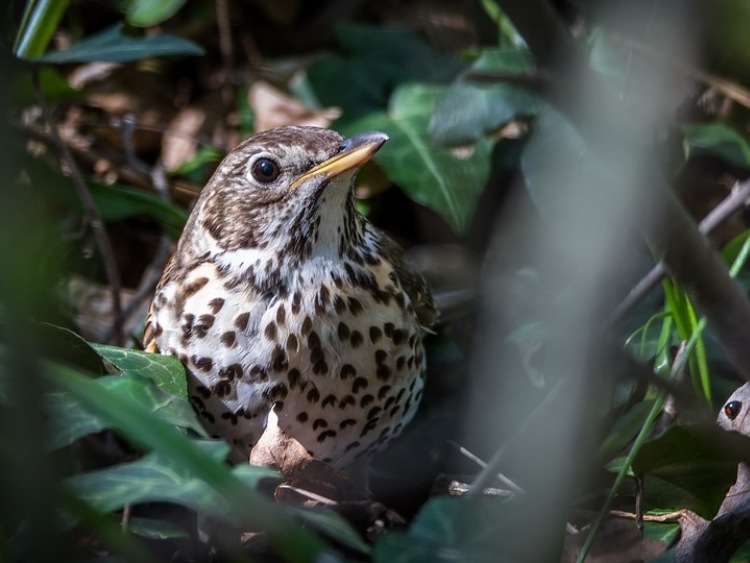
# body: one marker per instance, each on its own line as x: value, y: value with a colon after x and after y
x: 732, y: 409
x: 265, y: 170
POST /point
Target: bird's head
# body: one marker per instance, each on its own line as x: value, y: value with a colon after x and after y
x: 285, y: 190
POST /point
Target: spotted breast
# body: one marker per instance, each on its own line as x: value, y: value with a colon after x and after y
x: 282, y: 298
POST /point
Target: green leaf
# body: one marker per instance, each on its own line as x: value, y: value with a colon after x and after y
x: 470, y: 110
x: 115, y: 202
x: 166, y: 372
x: 378, y: 60
x: 65, y: 346
x: 717, y: 139
x: 449, y: 529
x: 334, y: 525
x: 448, y: 183
x: 690, y: 467
x: 40, y: 21
x: 153, y: 478
x: 143, y: 13
x: 134, y: 421
x: 70, y: 420
x: 156, y: 529
x: 115, y: 46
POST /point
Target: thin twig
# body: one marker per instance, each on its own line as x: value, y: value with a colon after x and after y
x: 91, y: 212
x: 728, y: 207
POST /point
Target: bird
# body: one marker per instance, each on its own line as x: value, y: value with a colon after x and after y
x: 288, y: 307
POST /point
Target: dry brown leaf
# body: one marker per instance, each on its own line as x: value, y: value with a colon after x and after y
x: 274, y: 108
x: 179, y: 141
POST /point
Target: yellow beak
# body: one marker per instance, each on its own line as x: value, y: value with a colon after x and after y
x: 355, y: 151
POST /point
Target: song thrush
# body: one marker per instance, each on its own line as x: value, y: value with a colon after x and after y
x: 284, y: 303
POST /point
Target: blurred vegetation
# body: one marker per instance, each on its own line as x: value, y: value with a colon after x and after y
x: 116, y: 112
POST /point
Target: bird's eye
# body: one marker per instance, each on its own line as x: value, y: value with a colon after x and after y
x: 732, y: 409
x: 265, y: 170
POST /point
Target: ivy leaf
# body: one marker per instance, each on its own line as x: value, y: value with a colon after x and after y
x: 70, y: 420
x: 115, y: 46
x: 718, y: 139
x: 447, y: 182
x: 166, y: 372
x: 471, y: 109
x: 155, y: 478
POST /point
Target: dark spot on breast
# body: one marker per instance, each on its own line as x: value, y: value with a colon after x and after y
x: 281, y: 315
x: 241, y: 321
x: 337, y: 281
x: 380, y: 356
x: 306, y: 325
x: 412, y: 340
x: 355, y: 307
x: 383, y: 391
x: 203, y: 363
x: 187, y: 326
x: 316, y: 355
x: 353, y: 445
x: 278, y: 359
x: 389, y: 328
x: 270, y: 331
x: 359, y: 384
x: 258, y: 373
x: 320, y: 367
x: 346, y: 371
x: 366, y: 400
x: 302, y: 417
x: 326, y: 434
x: 374, y: 411
x: 313, y: 396
x: 322, y: 300
x: 294, y: 377
x: 356, y: 339
x: 339, y: 304
x: 292, y: 345
x: 198, y: 402
x: 209, y: 417
x: 216, y: 304
x: 278, y: 391
x: 229, y: 339
x: 201, y: 326
x: 375, y: 334
x: 347, y: 422
x: 230, y: 416
x: 383, y: 373
x: 278, y: 406
x: 203, y: 391
x: 388, y: 403
x: 369, y: 427
x: 193, y: 287
x: 400, y: 361
x: 313, y: 340
x: 346, y: 401
x: 398, y: 336
x: 230, y: 372
x: 320, y: 423
x: 296, y: 303
x: 410, y: 362
x: 343, y: 331
x: 418, y: 396
x: 222, y: 388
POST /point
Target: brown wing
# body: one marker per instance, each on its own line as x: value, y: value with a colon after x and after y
x: 412, y: 282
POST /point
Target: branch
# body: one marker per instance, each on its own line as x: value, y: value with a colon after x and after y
x: 730, y: 205
x: 91, y: 213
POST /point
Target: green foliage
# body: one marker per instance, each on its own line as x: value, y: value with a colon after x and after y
x: 40, y: 20
x: 143, y: 13
x: 445, y: 181
x: 115, y: 45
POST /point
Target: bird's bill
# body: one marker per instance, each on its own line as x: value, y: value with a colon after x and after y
x: 356, y: 151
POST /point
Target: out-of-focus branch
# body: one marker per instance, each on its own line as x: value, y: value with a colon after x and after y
x: 671, y: 233
x: 93, y: 217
